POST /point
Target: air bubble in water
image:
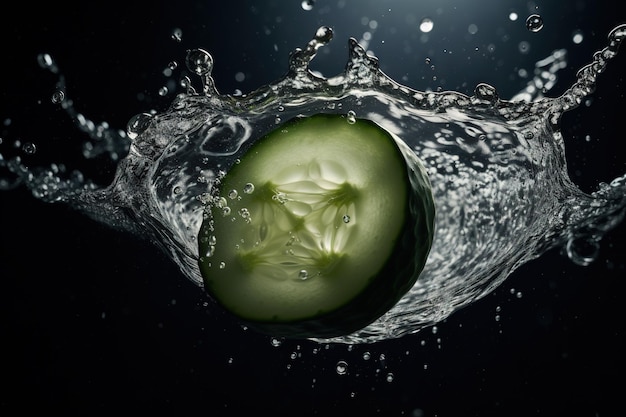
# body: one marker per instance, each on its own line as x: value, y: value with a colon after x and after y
x: 534, y: 23
x: 248, y: 188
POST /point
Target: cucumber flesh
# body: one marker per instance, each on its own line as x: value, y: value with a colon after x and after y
x: 309, y: 218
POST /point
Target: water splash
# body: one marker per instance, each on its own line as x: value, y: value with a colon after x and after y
x: 497, y: 167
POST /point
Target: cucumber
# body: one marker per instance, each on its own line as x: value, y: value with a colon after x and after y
x: 319, y: 229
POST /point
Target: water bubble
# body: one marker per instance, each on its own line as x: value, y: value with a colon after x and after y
x: 583, y: 250
x: 138, y: 124
x: 177, y: 34
x: 524, y: 47
x: 199, y: 62
x: 513, y: 16
x: 426, y: 25
x: 233, y: 194
x: 389, y: 377
x: 248, y: 188
x: 366, y: 356
x: 534, y: 23
x: 58, y: 96
x: 307, y: 4
x: 341, y: 367
x: 45, y: 61
x: 346, y: 218
x: 577, y: 37
x: 351, y: 117
x: 29, y: 148
x: 324, y: 34
x: 303, y: 274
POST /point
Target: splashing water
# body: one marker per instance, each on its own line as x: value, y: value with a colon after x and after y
x: 497, y: 168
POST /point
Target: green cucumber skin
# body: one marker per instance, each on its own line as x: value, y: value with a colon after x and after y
x: 387, y: 285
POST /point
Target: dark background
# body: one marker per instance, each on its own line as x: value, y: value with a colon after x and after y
x: 98, y: 322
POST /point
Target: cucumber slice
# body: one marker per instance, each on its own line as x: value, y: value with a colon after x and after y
x: 320, y: 228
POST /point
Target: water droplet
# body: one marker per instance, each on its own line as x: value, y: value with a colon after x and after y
x: 275, y: 342
x: 163, y: 91
x: 303, y: 274
x: 45, y: 61
x: 199, y: 61
x: 307, y: 4
x: 366, y: 356
x: 577, y: 37
x: 351, y: 117
x: 244, y: 213
x: 222, y: 265
x: 248, y: 188
x: 426, y: 25
x: 323, y: 35
x: 58, y: 96
x: 177, y: 34
x: 342, y: 367
x: 232, y: 194
x: 346, y: 218
x: 583, y: 251
x: 29, y: 148
x: 138, y: 124
x: 389, y: 377
x: 534, y: 23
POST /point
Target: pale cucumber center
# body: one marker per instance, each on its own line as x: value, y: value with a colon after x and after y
x: 297, y: 227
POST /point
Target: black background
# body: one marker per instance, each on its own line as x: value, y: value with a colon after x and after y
x: 98, y: 322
